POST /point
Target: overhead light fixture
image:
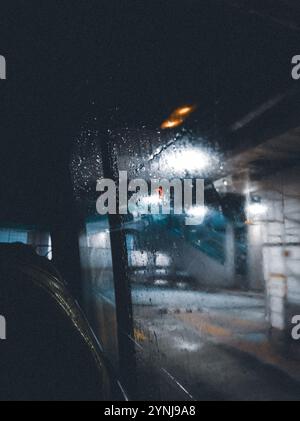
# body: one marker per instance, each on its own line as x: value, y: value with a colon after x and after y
x: 178, y: 117
x: 184, y: 111
x: 171, y: 124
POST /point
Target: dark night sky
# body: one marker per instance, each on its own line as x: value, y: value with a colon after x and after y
x: 138, y: 60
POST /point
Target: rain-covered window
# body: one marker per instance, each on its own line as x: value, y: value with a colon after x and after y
x: 211, y: 290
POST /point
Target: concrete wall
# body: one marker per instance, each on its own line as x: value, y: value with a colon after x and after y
x: 278, y: 234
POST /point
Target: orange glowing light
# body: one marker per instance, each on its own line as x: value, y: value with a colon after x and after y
x: 178, y: 117
x: 184, y: 111
x: 170, y: 124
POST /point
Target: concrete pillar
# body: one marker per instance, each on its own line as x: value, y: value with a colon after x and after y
x: 255, y: 257
x: 230, y: 255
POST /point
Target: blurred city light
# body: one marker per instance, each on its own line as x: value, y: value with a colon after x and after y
x: 257, y: 209
x: 189, y: 160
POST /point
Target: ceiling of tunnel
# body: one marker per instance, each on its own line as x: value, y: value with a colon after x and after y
x: 285, y: 13
x: 269, y: 157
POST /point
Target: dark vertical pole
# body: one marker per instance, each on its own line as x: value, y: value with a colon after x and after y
x: 127, y: 361
x: 65, y: 244
x: 65, y: 223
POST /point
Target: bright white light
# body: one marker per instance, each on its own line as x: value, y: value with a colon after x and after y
x: 188, y: 346
x: 257, y: 209
x: 198, y: 212
x: 145, y: 202
x: 50, y: 253
x: 181, y: 285
x: 190, y: 159
x: 161, y: 283
x: 139, y: 258
x: 100, y: 240
x: 152, y: 200
x: 163, y: 260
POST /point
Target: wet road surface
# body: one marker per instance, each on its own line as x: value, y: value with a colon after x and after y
x: 209, y: 346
